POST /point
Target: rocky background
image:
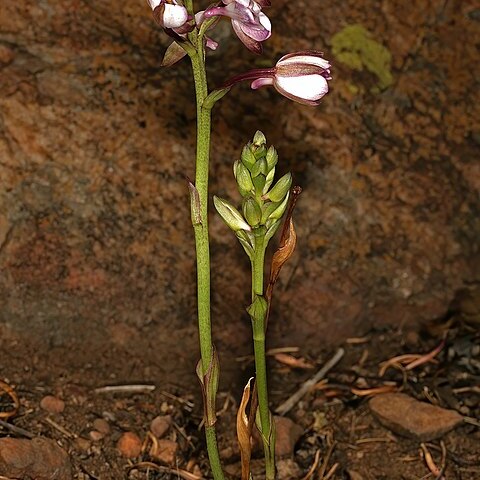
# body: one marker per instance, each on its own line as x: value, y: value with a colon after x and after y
x: 96, y: 249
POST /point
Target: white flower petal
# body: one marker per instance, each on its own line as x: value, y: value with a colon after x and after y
x: 174, y: 16
x: 265, y: 21
x: 305, y: 87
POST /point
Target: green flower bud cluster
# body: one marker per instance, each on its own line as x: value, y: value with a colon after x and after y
x: 263, y: 205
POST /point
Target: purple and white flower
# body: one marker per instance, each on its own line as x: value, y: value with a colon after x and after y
x: 169, y: 13
x: 249, y: 23
x: 301, y: 77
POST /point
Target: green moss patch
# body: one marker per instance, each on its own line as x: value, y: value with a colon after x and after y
x: 355, y: 47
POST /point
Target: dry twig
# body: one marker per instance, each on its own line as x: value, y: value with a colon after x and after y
x: 363, y: 392
x: 286, y: 406
x: 61, y: 429
x: 126, y: 389
x: 292, y: 361
x: 410, y: 361
x: 397, y: 361
x: 17, y: 430
x: 188, y: 404
x: 314, y: 466
x: 427, y: 456
x: 426, y: 358
x: 331, y: 472
x: 323, y: 468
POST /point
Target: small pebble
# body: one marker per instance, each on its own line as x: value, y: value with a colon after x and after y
x: 101, y: 426
x: 52, y: 404
x: 160, y: 425
x: 83, y: 444
x: 129, y: 445
x: 288, y: 433
x: 96, y: 436
x: 287, y: 469
x: 164, y: 451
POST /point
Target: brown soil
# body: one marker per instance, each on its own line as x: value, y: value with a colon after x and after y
x: 331, y: 414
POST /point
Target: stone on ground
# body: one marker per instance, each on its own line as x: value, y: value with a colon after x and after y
x: 411, y: 418
x: 287, y: 469
x: 40, y: 459
x: 160, y: 425
x: 129, y: 445
x: 287, y: 435
x: 164, y: 451
x: 52, y: 404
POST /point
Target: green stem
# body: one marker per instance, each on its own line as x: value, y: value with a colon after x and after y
x: 258, y: 261
x: 213, y: 455
x: 189, y: 6
x: 202, y: 240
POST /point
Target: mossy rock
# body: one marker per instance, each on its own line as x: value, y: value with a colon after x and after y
x: 355, y: 47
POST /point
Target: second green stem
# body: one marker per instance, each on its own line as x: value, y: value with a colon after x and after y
x: 258, y: 326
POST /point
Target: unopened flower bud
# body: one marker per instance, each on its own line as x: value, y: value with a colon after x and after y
x: 259, y: 139
x: 272, y: 226
x: 259, y: 183
x: 268, y: 180
x: 244, y: 180
x: 260, y: 152
x: 267, y: 209
x: 260, y: 167
x: 271, y: 157
x: 280, y: 189
x: 248, y: 158
x: 280, y: 210
x: 252, y: 211
x: 230, y: 215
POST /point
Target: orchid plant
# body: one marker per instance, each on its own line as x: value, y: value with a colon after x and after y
x: 302, y: 77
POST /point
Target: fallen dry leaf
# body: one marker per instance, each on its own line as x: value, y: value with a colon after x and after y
x: 292, y: 361
x: 244, y: 432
